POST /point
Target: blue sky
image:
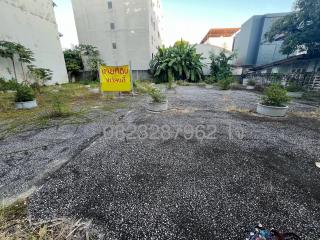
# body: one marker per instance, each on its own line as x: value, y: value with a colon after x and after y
x: 187, y: 19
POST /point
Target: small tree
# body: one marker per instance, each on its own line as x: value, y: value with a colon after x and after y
x: 8, y: 50
x: 73, y: 60
x: 181, y: 43
x: 40, y: 74
x: 81, y: 56
x: 300, y: 30
x: 25, y: 56
x: 220, y: 65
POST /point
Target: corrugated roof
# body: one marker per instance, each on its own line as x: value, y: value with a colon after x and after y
x: 220, y: 32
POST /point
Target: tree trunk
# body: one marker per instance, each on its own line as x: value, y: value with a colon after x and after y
x: 14, y: 69
x: 23, y: 73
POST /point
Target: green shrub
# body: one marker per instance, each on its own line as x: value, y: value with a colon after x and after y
x: 8, y: 85
x: 156, y: 95
x: 88, y: 82
x: 225, y: 84
x: 237, y: 86
x: 183, y: 83
x: 202, y: 84
x: 251, y: 82
x: 24, y: 94
x: 294, y: 87
x: 275, y: 95
x: 210, y: 80
x: 142, y: 87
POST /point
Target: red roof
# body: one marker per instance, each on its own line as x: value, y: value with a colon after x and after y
x: 220, y: 32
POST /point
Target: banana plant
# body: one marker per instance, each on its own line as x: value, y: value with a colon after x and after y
x: 180, y: 62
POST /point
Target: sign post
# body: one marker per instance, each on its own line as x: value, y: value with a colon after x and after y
x: 132, y: 84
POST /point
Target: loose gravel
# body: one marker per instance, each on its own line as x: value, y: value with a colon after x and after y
x: 256, y: 170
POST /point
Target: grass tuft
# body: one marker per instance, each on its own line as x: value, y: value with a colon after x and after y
x: 14, y: 224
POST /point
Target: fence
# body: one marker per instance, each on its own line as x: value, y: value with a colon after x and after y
x: 309, y: 80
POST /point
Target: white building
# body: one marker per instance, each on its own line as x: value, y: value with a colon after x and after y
x: 206, y: 50
x: 32, y: 24
x: 124, y: 31
x: 221, y: 37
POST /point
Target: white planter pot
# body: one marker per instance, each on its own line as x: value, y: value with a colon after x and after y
x: 251, y: 87
x: 158, y: 107
x: 11, y: 91
x: 27, y: 105
x: 272, y: 111
x: 295, y: 94
x: 94, y: 90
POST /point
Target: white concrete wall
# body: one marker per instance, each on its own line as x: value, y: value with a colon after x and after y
x: 223, y: 42
x: 137, y: 23
x: 32, y: 23
x: 206, y: 50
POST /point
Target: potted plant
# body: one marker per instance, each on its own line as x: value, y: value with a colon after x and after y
x: 273, y: 102
x: 25, y: 98
x: 294, y: 90
x: 159, y: 101
x: 251, y: 84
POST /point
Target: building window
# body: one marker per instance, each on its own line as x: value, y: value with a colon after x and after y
x: 114, y: 45
x: 112, y: 26
x: 109, y: 5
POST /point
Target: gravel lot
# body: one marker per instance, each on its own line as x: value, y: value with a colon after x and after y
x: 175, y: 188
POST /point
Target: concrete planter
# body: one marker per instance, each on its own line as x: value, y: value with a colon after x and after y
x: 158, y: 107
x: 272, y: 111
x: 27, y: 105
x: 251, y: 87
x: 11, y: 91
x: 94, y: 90
x: 209, y: 86
x: 295, y: 94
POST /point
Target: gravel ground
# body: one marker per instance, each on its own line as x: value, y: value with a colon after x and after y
x: 256, y: 169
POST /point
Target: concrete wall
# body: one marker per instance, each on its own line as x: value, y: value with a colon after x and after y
x: 251, y: 46
x: 222, y: 42
x: 136, y: 32
x: 206, y: 50
x: 32, y: 24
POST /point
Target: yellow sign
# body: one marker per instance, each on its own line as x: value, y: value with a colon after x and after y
x: 115, y: 79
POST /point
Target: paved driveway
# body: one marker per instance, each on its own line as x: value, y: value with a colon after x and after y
x: 247, y: 169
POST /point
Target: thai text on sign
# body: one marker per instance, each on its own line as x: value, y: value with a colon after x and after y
x: 115, y: 79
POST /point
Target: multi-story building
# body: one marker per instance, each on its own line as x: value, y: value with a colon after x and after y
x: 250, y: 45
x: 33, y: 25
x: 124, y: 31
x: 221, y: 37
